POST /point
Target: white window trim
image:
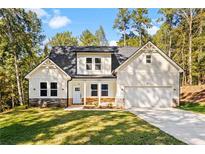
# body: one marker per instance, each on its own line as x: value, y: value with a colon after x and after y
x: 53, y: 89
x: 48, y: 89
x: 88, y: 63
x: 93, y: 64
x: 43, y: 89
x: 146, y: 58
x: 99, y: 89
x: 98, y: 63
x: 105, y: 90
x: 94, y: 90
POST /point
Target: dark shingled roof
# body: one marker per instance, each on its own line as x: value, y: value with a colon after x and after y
x: 123, y: 54
x: 95, y: 49
x: 94, y: 76
x: 65, y: 56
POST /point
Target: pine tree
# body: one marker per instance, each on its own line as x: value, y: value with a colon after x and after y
x: 187, y: 41
x: 100, y: 35
x: 170, y: 21
x: 88, y: 39
x: 122, y: 22
x: 63, y: 39
x: 140, y: 23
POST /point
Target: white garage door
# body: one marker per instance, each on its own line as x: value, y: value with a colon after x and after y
x: 157, y: 97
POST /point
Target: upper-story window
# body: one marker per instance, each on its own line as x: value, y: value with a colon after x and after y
x: 97, y: 63
x: 89, y: 63
x: 148, y: 59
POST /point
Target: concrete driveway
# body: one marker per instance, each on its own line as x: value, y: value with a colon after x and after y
x: 186, y: 126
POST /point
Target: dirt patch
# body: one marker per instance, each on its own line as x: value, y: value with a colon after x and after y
x: 193, y: 94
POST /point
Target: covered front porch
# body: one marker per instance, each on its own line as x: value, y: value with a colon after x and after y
x: 92, y: 92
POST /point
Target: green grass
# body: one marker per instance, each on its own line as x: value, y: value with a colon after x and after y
x: 195, y: 107
x: 56, y: 126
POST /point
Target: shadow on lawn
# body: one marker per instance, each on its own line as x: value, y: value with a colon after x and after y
x: 83, y: 127
x: 18, y: 133
x: 124, y: 132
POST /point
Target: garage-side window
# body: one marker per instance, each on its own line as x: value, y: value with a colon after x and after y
x: 43, y: 88
x: 104, y: 90
x: 94, y: 90
x: 54, y: 91
x: 148, y: 59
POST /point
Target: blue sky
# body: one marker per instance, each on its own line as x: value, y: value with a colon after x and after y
x: 77, y: 20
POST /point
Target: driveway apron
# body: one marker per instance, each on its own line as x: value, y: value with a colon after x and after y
x: 186, y: 126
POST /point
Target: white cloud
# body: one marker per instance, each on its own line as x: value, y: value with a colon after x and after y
x: 113, y: 43
x: 40, y: 12
x: 56, y: 12
x: 59, y: 21
x: 54, y: 20
x: 153, y: 30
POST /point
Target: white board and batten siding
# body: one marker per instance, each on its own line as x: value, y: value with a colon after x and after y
x: 153, y: 84
x: 80, y: 83
x: 45, y: 74
x: 105, y: 63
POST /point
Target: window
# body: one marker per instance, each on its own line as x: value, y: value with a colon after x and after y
x: 148, y: 58
x: 53, y: 88
x: 89, y: 63
x: 104, y: 90
x: 97, y: 63
x: 43, y: 89
x: 94, y: 90
x: 77, y: 89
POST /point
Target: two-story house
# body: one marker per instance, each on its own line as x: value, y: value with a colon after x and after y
x: 124, y: 76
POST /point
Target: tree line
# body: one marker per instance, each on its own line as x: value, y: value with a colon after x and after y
x: 21, y: 41
x: 87, y: 38
x: 181, y: 35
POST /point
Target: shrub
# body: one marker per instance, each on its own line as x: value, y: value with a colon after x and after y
x: 110, y: 105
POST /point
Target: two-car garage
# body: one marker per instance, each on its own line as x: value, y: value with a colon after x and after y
x: 148, y: 96
x: 148, y: 78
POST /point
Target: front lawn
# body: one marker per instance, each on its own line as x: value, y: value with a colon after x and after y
x: 196, y: 107
x: 56, y: 126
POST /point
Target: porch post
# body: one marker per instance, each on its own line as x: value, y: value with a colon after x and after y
x: 99, y: 93
x: 84, y: 92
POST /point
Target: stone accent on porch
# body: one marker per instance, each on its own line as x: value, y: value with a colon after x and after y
x: 47, y: 102
x: 120, y: 102
x: 94, y: 101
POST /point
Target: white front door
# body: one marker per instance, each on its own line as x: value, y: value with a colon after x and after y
x: 76, y: 95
